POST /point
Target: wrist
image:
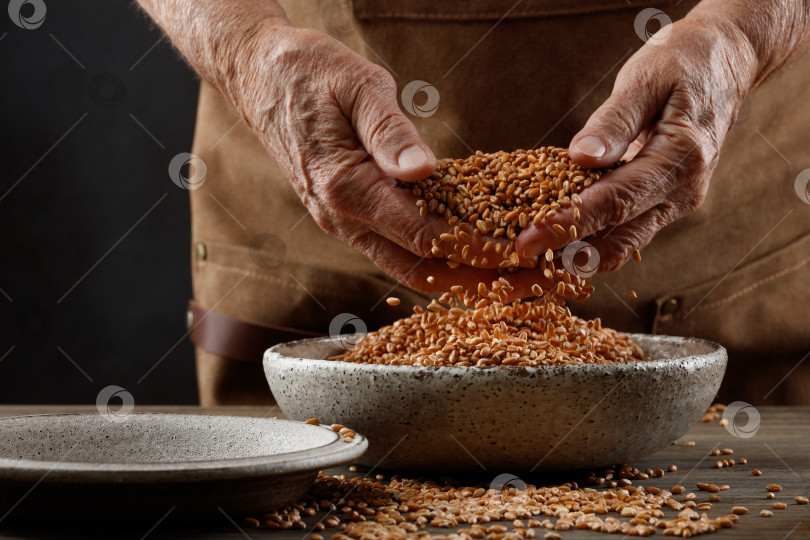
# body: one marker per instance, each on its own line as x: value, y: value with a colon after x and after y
x: 239, y: 53
x: 738, y: 55
x: 769, y: 33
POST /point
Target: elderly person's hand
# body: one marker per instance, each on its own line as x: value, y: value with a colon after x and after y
x: 671, y: 107
x: 331, y: 120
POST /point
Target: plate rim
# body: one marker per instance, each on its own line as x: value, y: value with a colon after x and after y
x: 333, y: 453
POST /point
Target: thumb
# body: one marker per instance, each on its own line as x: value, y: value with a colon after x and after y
x: 387, y: 135
x: 615, y: 125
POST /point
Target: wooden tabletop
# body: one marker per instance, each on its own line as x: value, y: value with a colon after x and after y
x: 780, y: 449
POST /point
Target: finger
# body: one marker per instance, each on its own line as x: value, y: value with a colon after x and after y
x: 413, y: 271
x: 636, y: 146
x: 616, y: 246
x: 395, y: 216
x: 465, y: 244
x: 536, y: 239
x: 666, y: 161
x: 636, y: 99
x: 616, y: 198
x: 387, y: 135
x: 390, y: 210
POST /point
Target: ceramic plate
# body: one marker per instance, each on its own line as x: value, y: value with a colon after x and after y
x: 144, y: 466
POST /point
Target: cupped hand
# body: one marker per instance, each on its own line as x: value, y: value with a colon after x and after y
x: 330, y: 119
x: 672, y: 105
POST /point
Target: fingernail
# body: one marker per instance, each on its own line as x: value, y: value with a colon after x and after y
x: 591, y: 146
x: 412, y: 157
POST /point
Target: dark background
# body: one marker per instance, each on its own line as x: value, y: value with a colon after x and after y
x: 87, y: 206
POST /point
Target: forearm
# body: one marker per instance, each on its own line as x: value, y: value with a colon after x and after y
x: 217, y: 38
x: 774, y: 31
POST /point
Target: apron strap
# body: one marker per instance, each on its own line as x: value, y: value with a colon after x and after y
x: 236, y: 339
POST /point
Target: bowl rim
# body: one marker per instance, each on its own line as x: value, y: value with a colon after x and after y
x: 715, y: 353
x: 335, y: 452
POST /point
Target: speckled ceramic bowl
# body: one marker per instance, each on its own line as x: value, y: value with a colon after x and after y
x: 141, y: 468
x: 502, y: 418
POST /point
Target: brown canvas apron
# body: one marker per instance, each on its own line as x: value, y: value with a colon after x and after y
x: 735, y: 272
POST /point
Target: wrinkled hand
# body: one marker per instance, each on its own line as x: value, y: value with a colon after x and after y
x: 331, y: 120
x: 672, y: 105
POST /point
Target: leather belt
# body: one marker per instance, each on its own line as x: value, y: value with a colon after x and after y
x: 233, y: 338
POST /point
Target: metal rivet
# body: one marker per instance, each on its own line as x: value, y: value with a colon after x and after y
x: 670, y: 306
x: 189, y: 319
x: 202, y: 251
